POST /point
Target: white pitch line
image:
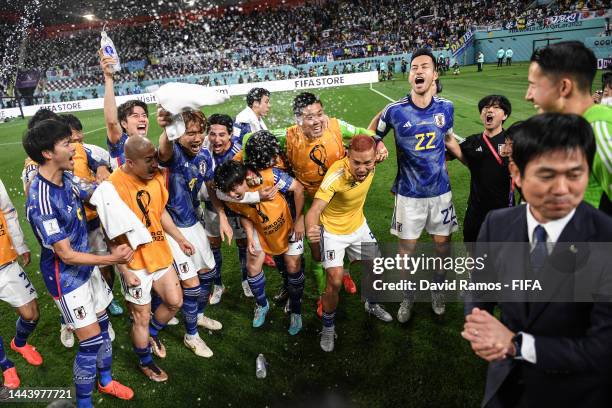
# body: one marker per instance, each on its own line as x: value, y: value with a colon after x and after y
x: 381, y: 94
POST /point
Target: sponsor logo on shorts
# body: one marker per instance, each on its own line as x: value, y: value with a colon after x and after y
x: 80, y: 312
x: 330, y: 255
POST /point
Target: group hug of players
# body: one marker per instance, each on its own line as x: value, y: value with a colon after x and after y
x: 158, y: 215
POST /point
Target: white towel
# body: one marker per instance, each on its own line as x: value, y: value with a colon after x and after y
x: 117, y: 218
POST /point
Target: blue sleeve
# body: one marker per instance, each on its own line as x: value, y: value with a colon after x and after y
x: 92, y: 163
x: 206, y: 171
x: 241, y: 129
x: 282, y: 180
x: 176, y: 159
x: 46, y: 225
x: 82, y: 188
x: 451, y: 116
x: 384, y: 126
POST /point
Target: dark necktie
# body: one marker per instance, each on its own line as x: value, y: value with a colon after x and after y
x: 540, y: 251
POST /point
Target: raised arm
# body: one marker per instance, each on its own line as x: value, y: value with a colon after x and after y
x: 113, y: 128
x: 166, y: 149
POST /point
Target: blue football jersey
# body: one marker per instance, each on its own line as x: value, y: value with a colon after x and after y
x: 117, y: 151
x: 185, y: 177
x: 419, y: 139
x: 56, y: 213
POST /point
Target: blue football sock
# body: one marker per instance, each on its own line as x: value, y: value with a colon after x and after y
x: 190, y: 309
x: 329, y: 319
x: 105, y: 354
x: 242, y: 257
x: 258, y: 287
x: 144, y: 355
x: 5, y: 363
x: 155, y: 326
x: 24, y: 329
x: 295, y: 287
x: 84, y: 369
x: 206, y: 281
x: 218, y: 264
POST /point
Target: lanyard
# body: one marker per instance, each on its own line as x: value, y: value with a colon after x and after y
x: 500, y: 162
x: 490, y: 146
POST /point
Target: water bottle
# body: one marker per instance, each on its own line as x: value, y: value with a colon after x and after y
x: 108, y: 48
x: 260, y: 366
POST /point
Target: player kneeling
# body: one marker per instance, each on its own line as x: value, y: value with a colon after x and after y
x: 269, y: 227
x: 338, y: 207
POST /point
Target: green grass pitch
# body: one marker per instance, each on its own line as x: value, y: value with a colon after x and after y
x: 424, y: 363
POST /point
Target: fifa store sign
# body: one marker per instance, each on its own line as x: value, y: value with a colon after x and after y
x: 358, y: 78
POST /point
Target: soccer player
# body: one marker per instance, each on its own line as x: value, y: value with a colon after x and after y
x: 483, y: 154
x: 90, y: 163
x: 312, y: 145
x: 249, y: 120
x: 423, y: 198
x: 188, y: 166
x: 224, y: 147
x: 131, y: 118
x: 16, y: 289
x: 142, y: 186
x: 270, y: 226
x: 336, y: 222
x: 54, y: 208
x: 560, y: 80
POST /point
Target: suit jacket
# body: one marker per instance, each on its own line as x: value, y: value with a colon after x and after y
x: 573, y: 340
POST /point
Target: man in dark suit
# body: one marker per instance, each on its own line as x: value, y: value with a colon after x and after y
x: 546, y: 350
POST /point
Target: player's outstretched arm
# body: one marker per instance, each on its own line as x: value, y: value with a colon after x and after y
x: 453, y: 148
x: 113, y: 128
x: 171, y: 229
x: 121, y: 254
x: 166, y: 149
x: 374, y: 122
x: 313, y: 217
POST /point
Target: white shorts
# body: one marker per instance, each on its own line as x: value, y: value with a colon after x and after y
x: 334, y: 246
x: 97, y: 244
x: 80, y: 306
x: 15, y: 287
x: 141, y: 294
x: 435, y: 214
x: 211, y: 224
x: 188, y: 266
x: 296, y: 247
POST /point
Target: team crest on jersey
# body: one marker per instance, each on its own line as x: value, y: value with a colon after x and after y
x: 184, y: 267
x: 439, y: 120
x: 330, y: 255
x: 80, y: 313
x: 136, y: 293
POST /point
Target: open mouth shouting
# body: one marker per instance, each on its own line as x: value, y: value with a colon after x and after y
x: 141, y: 129
x: 489, y: 119
x: 419, y: 80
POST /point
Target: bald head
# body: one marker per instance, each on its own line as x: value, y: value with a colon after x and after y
x: 137, y: 147
x: 140, y: 157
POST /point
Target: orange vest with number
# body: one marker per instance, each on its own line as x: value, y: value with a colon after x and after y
x: 310, y: 158
x: 271, y: 219
x: 147, y: 199
x: 7, y: 251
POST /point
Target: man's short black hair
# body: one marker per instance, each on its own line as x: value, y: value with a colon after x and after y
x: 229, y: 175
x: 427, y: 52
x: 548, y: 132
x: 221, y: 119
x: 606, y: 79
x: 255, y: 95
x: 125, y: 109
x: 42, y: 114
x: 44, y: 136
x: 72, y: 121
x: 499, y: 100
x: 261, y: 150
x: 568, y: 58
x: 303, y: 100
